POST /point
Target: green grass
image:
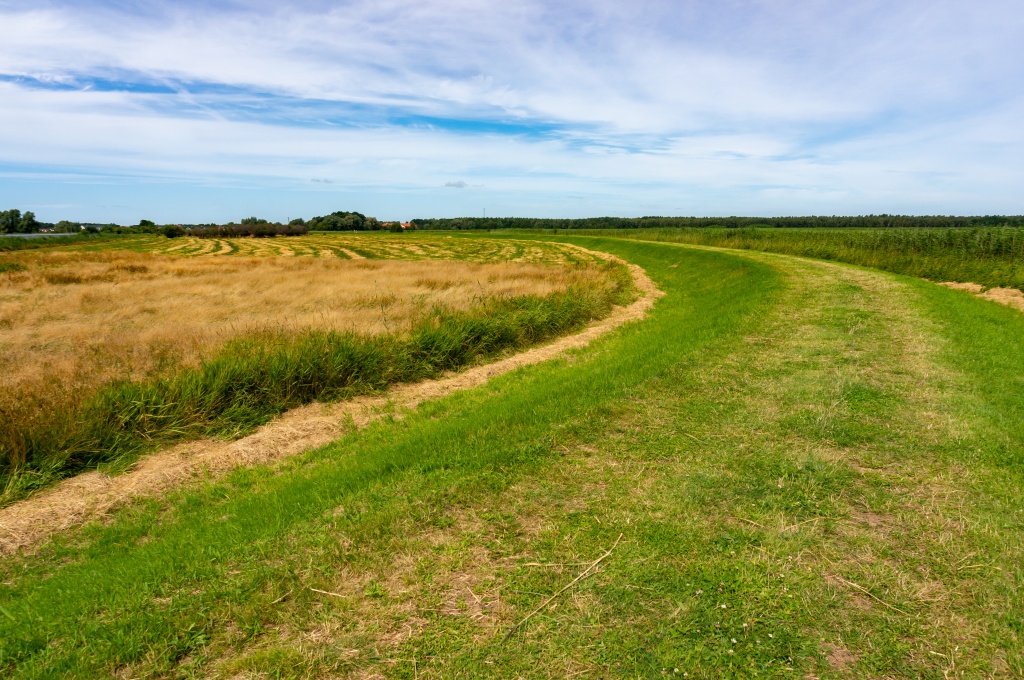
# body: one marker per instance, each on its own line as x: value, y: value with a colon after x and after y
x: 9, y: 243
x: 815, y: 470
x: 255, y: 378
x: 8, y: 267
x: 992, y: 257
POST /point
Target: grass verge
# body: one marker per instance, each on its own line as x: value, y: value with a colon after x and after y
x: 991, y: 257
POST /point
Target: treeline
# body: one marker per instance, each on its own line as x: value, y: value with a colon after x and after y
x: 14, y: 222
x: 264, y: 230
x: 808, y: 222
x: 344, y: 221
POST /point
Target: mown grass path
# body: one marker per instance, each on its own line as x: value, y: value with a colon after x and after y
x: 816, y: 470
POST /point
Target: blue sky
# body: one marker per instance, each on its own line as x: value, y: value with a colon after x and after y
x: 212, y: 111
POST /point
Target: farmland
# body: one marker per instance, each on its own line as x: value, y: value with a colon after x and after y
x: 78, y: 327
x: 790, y: 468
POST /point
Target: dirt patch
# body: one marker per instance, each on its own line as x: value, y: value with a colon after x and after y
x: 1011, y: 297
x: 839, y: 658
x: 92, y: 495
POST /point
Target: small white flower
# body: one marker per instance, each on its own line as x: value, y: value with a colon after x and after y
x: 734, y: 640
x: 723, y: 606
x: 744, y: 625
x: 730, y: 651
x: 770, y: 635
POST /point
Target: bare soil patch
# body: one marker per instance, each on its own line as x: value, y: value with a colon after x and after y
x: 91, y: 495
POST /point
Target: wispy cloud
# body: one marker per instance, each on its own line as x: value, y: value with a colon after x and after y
x: 740, y: 106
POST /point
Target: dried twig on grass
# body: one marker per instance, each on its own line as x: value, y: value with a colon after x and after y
x: 871, y: 595
x: 563, y: 589
x: 326, y: 592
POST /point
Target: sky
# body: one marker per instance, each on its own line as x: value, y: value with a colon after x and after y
x: 186, y: 111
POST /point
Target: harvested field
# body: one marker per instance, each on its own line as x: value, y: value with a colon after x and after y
x: 93, y: 318
x: 351, y: 246
x: 74, y: 322
x: 94, y: 494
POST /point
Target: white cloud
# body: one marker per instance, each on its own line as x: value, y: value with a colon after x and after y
x: 752, y: 102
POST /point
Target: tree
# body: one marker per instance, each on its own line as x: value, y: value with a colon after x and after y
x: 28, y: 223
x: 9, y: 221
x: 13, y: 222
x: 67, y: 227
x: 147, y: 223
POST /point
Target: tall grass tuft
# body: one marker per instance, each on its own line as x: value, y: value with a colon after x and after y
x: 254, y: 378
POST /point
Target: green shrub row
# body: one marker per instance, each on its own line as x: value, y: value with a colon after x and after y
x: 255, y: 378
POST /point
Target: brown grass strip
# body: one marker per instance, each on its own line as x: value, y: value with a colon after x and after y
x: 93, y: 495
x: 1011, y: 297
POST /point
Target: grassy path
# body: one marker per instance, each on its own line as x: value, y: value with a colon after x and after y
x: 815, y: 470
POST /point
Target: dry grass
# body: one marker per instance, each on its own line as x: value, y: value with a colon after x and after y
x: 1011, y: 297
x: 92, y: 495
x: 74, y: 321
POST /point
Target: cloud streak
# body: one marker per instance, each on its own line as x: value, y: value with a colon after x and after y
x: 738, y: 106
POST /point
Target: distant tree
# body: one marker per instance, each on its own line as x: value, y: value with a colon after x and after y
x: 298, y: 220
x: 147, y: 223
x: 14, y: 222
x: 172, y: 231
x: 67, y: 227
x: 28, y: 223
x: 254, y: 220
x: 9, y: 221
x: 340, y: 221
x: 395, y: 228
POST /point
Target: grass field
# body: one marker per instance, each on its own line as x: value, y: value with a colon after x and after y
x: 990, y: 257
x: 82, y: 332
x: 790, y: 469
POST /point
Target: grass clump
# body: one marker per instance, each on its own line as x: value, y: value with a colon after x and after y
x: 10, y: 267
x: 256, y: 377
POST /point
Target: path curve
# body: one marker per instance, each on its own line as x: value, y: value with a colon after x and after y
x: 92, y: 495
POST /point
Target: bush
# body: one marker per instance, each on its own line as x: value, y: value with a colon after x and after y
x: 172, y: 231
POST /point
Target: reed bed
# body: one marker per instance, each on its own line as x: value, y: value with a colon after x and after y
x: 991, y: 257
x: 105, y: 354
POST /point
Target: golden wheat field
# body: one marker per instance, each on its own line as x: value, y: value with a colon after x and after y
x: 72, y: 321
